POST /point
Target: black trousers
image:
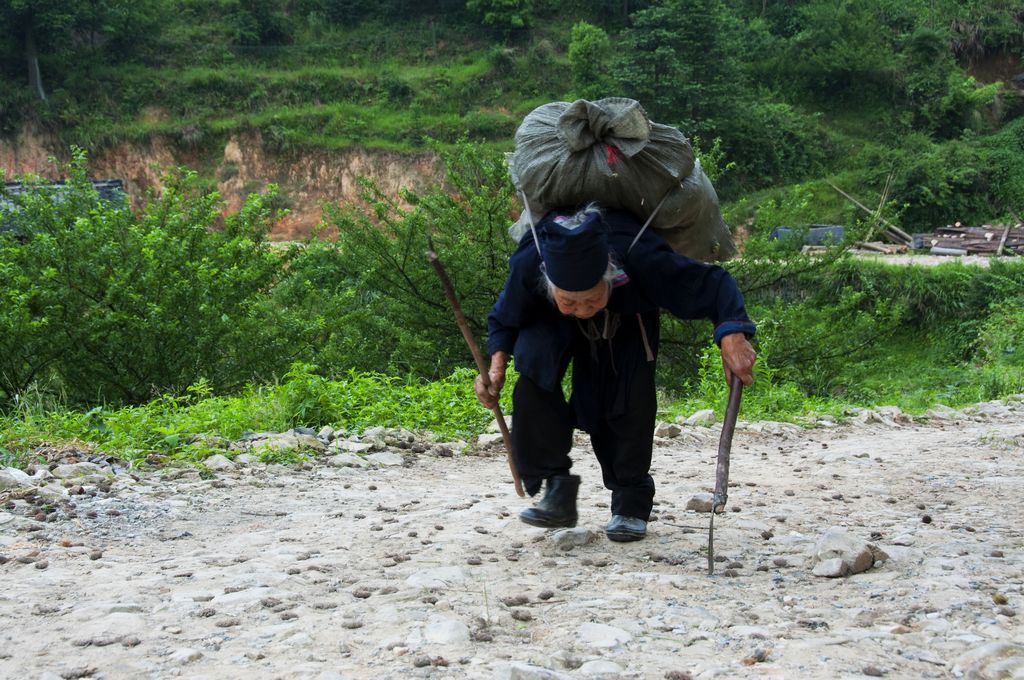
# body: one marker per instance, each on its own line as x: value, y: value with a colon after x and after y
x: 542, y: 428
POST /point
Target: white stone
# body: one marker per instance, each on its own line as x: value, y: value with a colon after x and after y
x: 567, y: 539
x: 52, y: 492
x: 943, y: 412
x: 444, y: 631
x: 995, y: 660
x: 856, y: 554
x: 893, y: 413
x: 440, y: 577
x: 326, y: 432
x: 218, y: 462
x: 244, y: 459
x: 352, y: 446
x: 185, y: 656
x: 703, y: 417
x: 290, y: 441
x: 602, y: 636
x: 73, y: 470
x: 490, y: 439
x: 600, y: 668
x: 523, y: 671
x: 989, y: 409
x: 832, y: 568
x: 667, y: 430
x: 346, y: 459
x: 493, y: 426
x: 385, y: 459
x: 13, y: 478
x: 700, y: 502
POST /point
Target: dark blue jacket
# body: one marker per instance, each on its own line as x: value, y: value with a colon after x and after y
x: 525, y: 323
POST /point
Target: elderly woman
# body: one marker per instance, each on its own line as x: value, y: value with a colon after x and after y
x: 585, y: 289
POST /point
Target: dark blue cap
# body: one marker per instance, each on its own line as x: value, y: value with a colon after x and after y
x: 575, y: 258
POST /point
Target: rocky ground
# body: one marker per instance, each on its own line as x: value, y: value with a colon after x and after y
x: 410, y: 562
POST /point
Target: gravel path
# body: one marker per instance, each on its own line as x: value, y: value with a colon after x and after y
x: 423, y: 570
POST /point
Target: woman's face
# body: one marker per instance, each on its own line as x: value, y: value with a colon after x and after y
x: 585, y: 303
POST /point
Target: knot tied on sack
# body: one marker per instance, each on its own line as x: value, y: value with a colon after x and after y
x: 621, y: 124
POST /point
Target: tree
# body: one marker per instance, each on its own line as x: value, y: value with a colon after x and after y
x: 679, y: 60
x: 589, y: 55
x: 54, y: 30
x: 502, y: 15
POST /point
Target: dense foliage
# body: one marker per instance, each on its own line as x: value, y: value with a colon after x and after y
x: 910, y: 104
x: 104, y: 304
x: 855, y: 89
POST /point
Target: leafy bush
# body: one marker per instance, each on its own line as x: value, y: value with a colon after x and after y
x: 589, y: 57
x: 1000, y: 340
x: 120, y: 307
x: 396, y: 298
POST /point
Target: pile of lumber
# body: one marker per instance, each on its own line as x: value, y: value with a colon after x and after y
x: 988, y: 239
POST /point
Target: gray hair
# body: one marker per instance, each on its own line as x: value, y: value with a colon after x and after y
x: 574, y: 221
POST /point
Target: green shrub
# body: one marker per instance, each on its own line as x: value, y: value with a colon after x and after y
x: 396, y: 298
x: 1000, y: 340
x: 121, y: 307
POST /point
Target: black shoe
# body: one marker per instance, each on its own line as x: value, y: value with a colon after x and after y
x: 558, y: 507
x: 622, y: 528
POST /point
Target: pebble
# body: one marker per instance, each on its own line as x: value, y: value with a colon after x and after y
x: 567, y: 539
x: 759, y: 656
x: 873, y: 671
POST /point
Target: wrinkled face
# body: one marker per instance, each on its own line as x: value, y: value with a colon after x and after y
x: 583, y: 304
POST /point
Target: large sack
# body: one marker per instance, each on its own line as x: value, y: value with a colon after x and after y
x: 608, y: 151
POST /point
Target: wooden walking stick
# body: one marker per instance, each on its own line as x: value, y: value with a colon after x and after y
x: 460, y: 318
x: 722, y: 469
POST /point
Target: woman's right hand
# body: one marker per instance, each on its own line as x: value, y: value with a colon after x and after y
x: 489, y: 394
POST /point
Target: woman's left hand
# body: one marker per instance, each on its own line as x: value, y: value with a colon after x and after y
x: 738, y: 357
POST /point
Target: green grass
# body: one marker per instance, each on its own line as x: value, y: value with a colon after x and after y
x: 176, y: 428
x: 905, y: 373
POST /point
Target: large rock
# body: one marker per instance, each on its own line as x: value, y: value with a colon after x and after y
x: 444, y: 631
x: 702, y: 502
x: 600, y: 669
x: 703, y: 417
x: 346, y: 459
x: 839, y: 553
x: 567, y: 539
x: 943, y: 412
x: 352, y: 446
x: 602, y: 636
x: 385, y: 459
x: 989, y: 662
x: 78, y: 470
x: 290, y: 440
x: 219, y: 463
x: 523, y: 671
x: 668, y: 430
x: 13, y: 478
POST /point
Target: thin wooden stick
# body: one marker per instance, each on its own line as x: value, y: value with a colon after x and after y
x: 460, y: 319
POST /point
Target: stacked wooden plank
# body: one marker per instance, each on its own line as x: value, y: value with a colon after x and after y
x: 956, y: 239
